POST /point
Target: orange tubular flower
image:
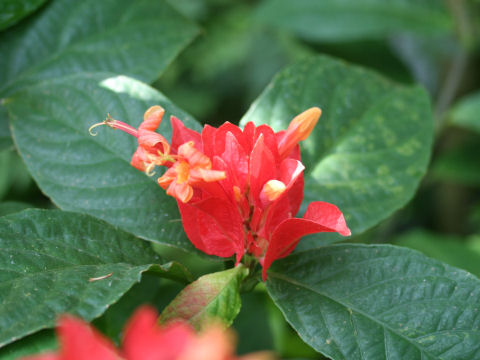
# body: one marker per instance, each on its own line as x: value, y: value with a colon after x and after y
x: 144, y: 339
x: 237, y: 190
x: 191, y: 168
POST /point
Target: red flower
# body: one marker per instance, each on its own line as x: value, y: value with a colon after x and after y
x: 144, y: 340
x: 237, y: 190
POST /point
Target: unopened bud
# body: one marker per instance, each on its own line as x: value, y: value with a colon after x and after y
x: 299, y: 129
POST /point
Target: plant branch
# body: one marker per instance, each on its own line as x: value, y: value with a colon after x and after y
x: 460, y: 61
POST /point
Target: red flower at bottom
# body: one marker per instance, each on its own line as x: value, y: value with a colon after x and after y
x: 144, y: 339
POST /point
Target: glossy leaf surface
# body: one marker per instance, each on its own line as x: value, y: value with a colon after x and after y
x: 134, y: 38
x: 378, y: 302
x: 362, y: 155
x: 56, y: 262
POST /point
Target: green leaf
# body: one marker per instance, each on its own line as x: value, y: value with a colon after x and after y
x: 363, y: 155
x: 89, y: 174
x: 450, y: 249
x: 345, y: 20
x: 466, y: 113
x: 12, y: 11
x: 10, y: 207
x: 174, y: 271
x: 134, y: 38
x: 214, y: 295
x: 378, y: 302
x: 49, y: 262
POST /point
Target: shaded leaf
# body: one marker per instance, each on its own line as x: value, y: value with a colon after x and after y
x: 40, y: 342
x: 378, y: 302
x: 363, y: 155
x: 459, y: 164
x: 343, y: 20
x: 252, y: 323
x: 89, y: 174
x: 466, y: 113
x: 10, y: 207
x: 5, y: 137
x: 113, y: 321
x: 4, y: 178
x: 12, y: 11
x: 214, y: 295
x: 462, y: 253
x: 49, y: 260
x: 174, y: 271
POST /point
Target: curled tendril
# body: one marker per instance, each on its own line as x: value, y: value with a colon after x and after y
x: 108, y: 121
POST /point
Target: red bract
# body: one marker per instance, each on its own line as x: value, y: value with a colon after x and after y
x: 237, y: 190
x: 144, y: 339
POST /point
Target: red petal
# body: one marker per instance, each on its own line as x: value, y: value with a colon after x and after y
x: 327, y: 215
x: 319, y: 217
x: 236, y: 161
x: 182, y: 134
x: 261, y: 169
x: 270, y: 140
x: 249, y: 133
x: 213, y: 226
x: 145, y: 340
x: 138, y: 159
x: 152, y: 118
x: 79, y: 341
x: 153, y: 141
x: 208, y: 140
x: 287, y: 205
x: 221, y: 137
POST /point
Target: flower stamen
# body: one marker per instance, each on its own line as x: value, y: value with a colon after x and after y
x: 114, y: 124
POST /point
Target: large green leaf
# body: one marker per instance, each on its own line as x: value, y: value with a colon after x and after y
x: 55, y: 262
x: 378, y: 302
x: 135, y: 38
x: 466, y: 112
x: 372, y: 144
x: 215, y: 295
x: 12, y: 11
x: 462, y: 253
x: 89, y: 174
x: 340, y: 20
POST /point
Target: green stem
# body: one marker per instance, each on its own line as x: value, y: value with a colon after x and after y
x: 456, y: 72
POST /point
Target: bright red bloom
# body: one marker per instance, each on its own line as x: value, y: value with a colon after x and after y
x: 144, y: 339
x: 237, y: 190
